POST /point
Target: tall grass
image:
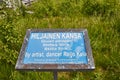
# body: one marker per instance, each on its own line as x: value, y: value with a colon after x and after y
x: 100, y: 17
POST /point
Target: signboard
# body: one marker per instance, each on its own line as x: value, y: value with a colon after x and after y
x: 49, y: 50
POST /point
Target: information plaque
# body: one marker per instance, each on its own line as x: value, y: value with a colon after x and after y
x: 56, y: 50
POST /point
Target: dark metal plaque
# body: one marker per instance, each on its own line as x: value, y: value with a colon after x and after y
x: 56, y: 50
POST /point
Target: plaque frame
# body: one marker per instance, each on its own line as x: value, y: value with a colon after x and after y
x: 56, y: 67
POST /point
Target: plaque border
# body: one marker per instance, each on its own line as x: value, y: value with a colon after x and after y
x: 56, y: 67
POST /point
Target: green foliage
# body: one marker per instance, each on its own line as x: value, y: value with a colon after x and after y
x: 10, y: 43
x: 49, y: 8
x: 100, y: 17
x: 94, y: 7
x: 5, y: 70
x: 10, y: 38
x: 31, y: 75
x: 44, y: 9
x: 66, y: 8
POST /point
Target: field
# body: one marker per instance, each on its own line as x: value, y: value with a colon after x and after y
x: 100, y: 17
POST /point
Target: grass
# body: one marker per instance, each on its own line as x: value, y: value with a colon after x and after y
x: 100, y: 17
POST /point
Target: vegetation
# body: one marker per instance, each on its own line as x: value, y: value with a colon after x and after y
x: 100, y: 17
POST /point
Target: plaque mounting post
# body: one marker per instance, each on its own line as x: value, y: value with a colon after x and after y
x: 55, y: 74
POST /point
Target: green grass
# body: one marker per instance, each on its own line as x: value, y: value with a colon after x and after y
x: 100, y: 17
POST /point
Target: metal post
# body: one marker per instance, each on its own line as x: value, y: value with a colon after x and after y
x: 55, y: 75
